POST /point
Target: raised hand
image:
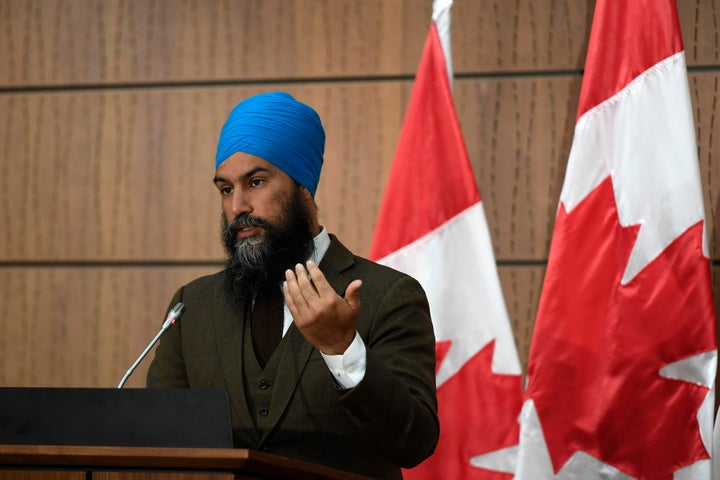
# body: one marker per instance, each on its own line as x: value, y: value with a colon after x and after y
x: 325, y: 319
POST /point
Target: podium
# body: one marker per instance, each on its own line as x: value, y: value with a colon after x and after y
x: 135, y: 417
x: 58, y: 462
x: 132, y: 434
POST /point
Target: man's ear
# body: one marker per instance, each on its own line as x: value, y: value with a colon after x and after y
x: 308, y: 197
x: 312, y: 209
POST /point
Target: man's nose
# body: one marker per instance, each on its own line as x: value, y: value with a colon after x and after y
x: 240, y: 203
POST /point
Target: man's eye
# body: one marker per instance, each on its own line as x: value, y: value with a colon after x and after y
x: 225, y: 191
x: 256, y: 182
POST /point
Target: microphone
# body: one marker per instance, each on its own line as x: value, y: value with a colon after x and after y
x: 173, y: 316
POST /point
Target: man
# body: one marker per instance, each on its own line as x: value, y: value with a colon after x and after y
x: 327, y: 357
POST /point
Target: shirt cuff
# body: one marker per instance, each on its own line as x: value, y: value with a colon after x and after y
x: 348, y: 369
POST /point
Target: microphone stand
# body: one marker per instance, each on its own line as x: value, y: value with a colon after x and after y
x: 172, y: 317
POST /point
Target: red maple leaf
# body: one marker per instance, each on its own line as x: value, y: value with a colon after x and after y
x: 478, y: 412
x: 598, y: 345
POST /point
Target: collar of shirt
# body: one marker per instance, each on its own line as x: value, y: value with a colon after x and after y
x: 322, y: 243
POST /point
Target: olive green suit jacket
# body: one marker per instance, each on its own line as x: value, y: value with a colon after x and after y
x: 386, y: 422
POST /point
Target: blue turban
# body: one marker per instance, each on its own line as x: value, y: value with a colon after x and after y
x: 280, y: 130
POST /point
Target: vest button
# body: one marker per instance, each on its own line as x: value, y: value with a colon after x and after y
x: 263, y: 385
x: 263, y: 411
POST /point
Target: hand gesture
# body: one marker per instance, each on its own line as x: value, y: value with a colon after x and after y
x: 325, y: 319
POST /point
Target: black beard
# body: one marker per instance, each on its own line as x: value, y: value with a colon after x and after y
x: 256, y: 264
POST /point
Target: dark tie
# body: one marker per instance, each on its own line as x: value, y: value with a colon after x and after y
x: 267, y: 323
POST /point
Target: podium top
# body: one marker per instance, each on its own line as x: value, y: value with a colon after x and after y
x: 246, y: 463
x: 182, y: 418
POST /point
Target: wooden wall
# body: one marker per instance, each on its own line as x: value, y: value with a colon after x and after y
x: 109, y: 116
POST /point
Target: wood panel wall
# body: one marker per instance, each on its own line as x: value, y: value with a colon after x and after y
x: 109, y: 116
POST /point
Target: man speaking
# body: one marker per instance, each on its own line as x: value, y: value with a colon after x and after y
x: 327, y: 357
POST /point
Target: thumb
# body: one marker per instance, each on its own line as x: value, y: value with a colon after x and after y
x: 352, y: 295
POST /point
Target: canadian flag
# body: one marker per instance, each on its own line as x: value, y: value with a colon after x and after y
x: 432, y: 226
x: 623, y: 356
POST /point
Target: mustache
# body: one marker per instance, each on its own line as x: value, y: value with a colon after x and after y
x: 242, y: 221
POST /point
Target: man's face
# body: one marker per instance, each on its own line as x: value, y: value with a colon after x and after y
x: 251, y: 187
x: 267, y: 223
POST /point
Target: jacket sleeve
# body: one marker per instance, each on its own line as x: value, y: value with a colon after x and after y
x: 395, y: 406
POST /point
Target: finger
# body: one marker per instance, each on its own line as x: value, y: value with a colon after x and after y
x: 322, y: 286
x: 289, y: 300
x: 305, y: 283
x: 352, y: 295
x: 293, y: 296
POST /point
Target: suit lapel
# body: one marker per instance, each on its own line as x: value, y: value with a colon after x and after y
x: 229, y: 338
x: 336, y: 260
x: 294, y: 355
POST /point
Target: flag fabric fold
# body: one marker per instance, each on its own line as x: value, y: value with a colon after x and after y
x: 623, y: 356
x: 432, y: 226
